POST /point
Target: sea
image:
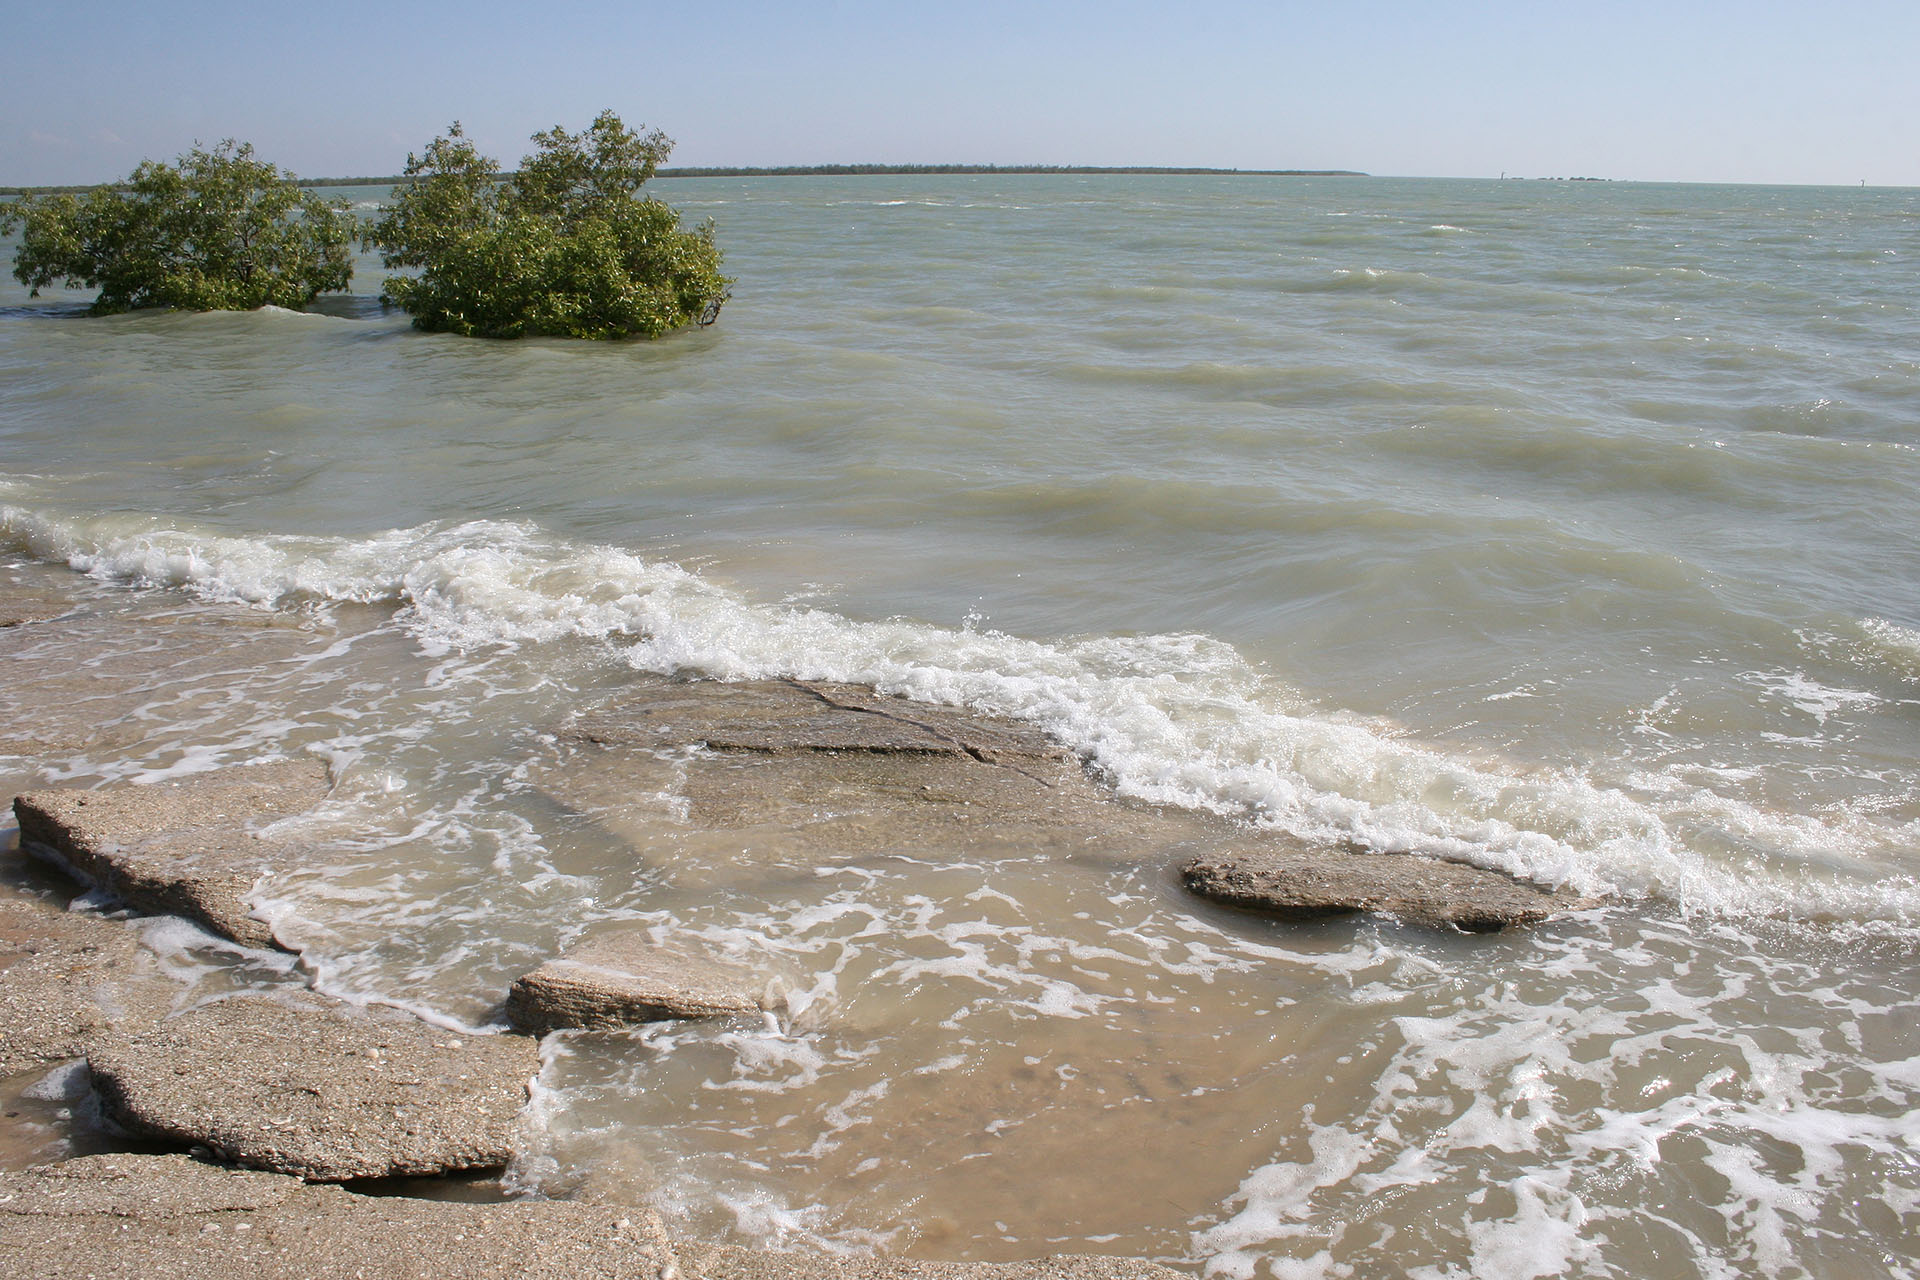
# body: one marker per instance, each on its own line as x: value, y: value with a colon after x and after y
x: 1570, y: 529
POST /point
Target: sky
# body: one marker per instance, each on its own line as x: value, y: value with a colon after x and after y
x: 1703, y: 92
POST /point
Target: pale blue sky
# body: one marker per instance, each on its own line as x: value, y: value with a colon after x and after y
x: 1716, y: 92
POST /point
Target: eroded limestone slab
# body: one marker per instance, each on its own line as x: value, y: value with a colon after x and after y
x: 800, y: 715
x: 1418, y: 890
x: 325, y: 1093
x: 137, y: 1217
x: 623, y: 978
x: 145, y: 1187
x: 67, y: 979
x: 798, y: 776
x: 184, y: 848
x: 804, y: 790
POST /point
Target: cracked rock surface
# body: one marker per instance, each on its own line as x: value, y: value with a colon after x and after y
x: 802, y: 715
x: 323, y: 1092
x: 796, y: 775
x: 771, y: 780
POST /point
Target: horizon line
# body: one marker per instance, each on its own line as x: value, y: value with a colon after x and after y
x: 882, y: 170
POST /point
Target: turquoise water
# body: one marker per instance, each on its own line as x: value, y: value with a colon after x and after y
x: 1565, y: 528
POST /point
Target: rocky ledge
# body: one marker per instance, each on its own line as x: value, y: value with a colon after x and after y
x: 807, y: 774
x: 66, y: 980
x: 325, y: 1092
x: 187, y: 848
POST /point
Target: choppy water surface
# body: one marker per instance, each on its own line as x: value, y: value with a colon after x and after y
x: 1568, y: 529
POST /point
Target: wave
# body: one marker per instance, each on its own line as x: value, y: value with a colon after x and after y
x: 1895, y: 647
x: 1175, y: 719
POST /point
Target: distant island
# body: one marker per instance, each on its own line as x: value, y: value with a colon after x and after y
x: 823, y: 171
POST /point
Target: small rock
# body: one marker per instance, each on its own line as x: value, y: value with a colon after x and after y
x: 1419, y: 890
x: 177, y: 848
x: 619, y: 979
x: 219, y: 1074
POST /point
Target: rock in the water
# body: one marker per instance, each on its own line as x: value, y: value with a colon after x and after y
x: 138, y: 1217
x: 800, y: 715
x: 1415, y: 889
x: 623, y: 978
x: 820, y: 781
x: 326, y: 1094
x: 177, y: 848
x: 67, y: 979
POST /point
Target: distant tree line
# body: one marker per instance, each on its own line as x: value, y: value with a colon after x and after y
x: 857, y: 170
x: 833, y: 171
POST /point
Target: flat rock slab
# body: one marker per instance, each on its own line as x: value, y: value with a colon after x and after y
x: 145, y: 1187
x: 1419, y: 890
x: 134, y: 1217
x: 183, y: 848
x: 323, y: 1093
x: 66, y: 980
x: 620, y: 979
x: 801, y: 776
x: 801, y: 715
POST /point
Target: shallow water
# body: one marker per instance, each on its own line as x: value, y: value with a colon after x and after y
x: 1565, y: 529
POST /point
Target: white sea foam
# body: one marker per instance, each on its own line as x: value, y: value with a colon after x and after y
x: 1901, y: 645
x: 1177, y: 719
x: 1807, y: 695
x: 68, y: 1082
x: 1571, y: 1112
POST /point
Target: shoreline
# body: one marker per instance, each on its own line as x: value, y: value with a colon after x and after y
x: 158, y: 848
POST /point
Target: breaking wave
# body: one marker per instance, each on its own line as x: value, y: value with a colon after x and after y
x: 1179, y: 719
